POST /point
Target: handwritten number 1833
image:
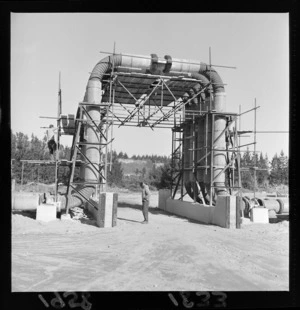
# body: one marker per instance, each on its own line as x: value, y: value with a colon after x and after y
x: 218, y: 300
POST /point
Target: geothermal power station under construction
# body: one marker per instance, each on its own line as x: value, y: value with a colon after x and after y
x: 184, y: 96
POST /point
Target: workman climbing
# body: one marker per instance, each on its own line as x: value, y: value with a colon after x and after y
x: 51, y: 139
x: 145, y: 201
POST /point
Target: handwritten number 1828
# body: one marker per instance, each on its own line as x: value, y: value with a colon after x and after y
x: 58, y: 303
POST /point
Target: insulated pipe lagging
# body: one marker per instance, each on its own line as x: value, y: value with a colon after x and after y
x: 214, y: 77
x: 182, y: 65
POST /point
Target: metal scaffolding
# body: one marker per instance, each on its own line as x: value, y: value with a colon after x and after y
x: 136, y: 99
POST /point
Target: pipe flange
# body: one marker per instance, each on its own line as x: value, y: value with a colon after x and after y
x: 281, y: 206
x: 261, y: 202
x: 247, y: 206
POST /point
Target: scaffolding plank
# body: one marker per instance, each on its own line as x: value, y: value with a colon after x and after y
x: 91, y: 143
x: 141, y: 91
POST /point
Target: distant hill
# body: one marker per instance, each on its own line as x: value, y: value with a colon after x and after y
x: 130, y: 166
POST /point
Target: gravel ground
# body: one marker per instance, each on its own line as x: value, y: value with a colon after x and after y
x: 169, y: 254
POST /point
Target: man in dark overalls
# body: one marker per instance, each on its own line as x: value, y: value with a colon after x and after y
x: 51, y: 137
x: 145, y: 201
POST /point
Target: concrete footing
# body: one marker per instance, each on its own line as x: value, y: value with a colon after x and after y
x: 223, y: 214
x: 259, y: 215
x: 46, y: 212
x: 106, y: 215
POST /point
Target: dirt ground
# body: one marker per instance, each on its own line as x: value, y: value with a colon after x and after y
x: 169, y: 254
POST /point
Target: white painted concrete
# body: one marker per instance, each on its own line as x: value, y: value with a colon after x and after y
x: 259, y: 215
x: 46, y: 212
x: 163, y: 195
x: 106, y: 214
x: 223, y: 214
x: 108, y: 210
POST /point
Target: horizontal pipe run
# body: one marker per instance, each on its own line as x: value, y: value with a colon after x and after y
x: 163, y: 59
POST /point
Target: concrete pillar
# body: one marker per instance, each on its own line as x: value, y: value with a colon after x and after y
x: 106, y: 215
x: 259, y: 215
x: 224, y: 214
x: 46, y: 212
x: 13, y: 185
x: 163, y: 195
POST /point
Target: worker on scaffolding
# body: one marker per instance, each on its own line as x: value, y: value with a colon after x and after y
x: 51, y: 135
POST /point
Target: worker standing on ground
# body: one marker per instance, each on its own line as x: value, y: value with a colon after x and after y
x: 145, y: 201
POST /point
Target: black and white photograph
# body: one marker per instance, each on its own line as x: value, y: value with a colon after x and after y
x: 149, y: 152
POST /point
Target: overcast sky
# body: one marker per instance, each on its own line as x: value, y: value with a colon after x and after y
x: 42, y: 44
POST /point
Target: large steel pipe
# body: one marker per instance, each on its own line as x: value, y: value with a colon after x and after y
x: 150, y: 64
x: 219, y: 158
x: 278, y: 205
x: 25, y: 201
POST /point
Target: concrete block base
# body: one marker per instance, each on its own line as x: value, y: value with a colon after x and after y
x: 259, y: 215
x: 223, y: 214
x: 46, y: 212
x: 245, y: 221
x: 106, y: 215
x: 66, y: 217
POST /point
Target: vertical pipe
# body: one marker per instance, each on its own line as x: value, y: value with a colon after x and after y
x: 93, y: 152
x: 182, y: 159
x: 234, y: 147
x: 239, y: 174
x: 22, y: 175
x: 174, y: 114
x: 210, y: 106
x: 112, y: 126
x: 254, y: 146
x: 106, y: 146
x: 238, y: 212
x: 240, y: 123
x: 219, y: 157
x: 57, y: 139
x: 200, y: 125
x: 211, y: 159
x: 172, y: 163
x: 161, y: 94
x: 206, y: 133
x: 193, y: 158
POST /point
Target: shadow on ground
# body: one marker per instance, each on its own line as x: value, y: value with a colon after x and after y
x: 123, y: 219
x: 30, y: 214
x: 153, y: 210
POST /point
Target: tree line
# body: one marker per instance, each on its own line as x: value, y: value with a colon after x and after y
x: 268, y: 172
x: 153, y: 157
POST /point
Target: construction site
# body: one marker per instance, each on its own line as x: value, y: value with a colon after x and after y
x: 204, y: 233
